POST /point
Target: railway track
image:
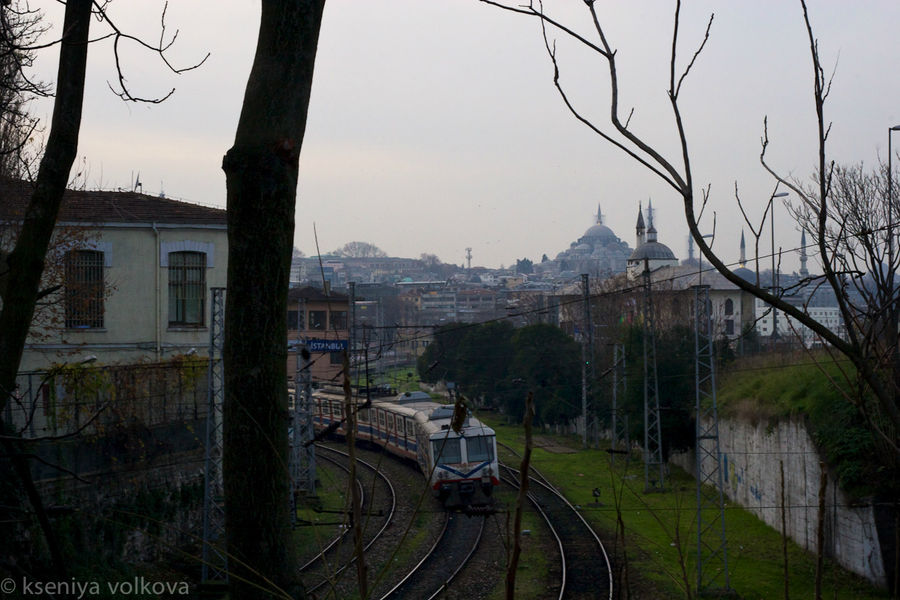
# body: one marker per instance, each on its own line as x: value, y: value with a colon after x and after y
x: 448, y: 556
x: 586, y: 571
x: 328, y: 574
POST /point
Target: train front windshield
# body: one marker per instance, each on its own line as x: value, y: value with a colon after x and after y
x: 480, y: 449
x: 447, y: 451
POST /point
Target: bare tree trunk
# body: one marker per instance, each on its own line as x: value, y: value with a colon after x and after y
x: 682, y: 563
x: 355, y: 500
x: 621, y: 532
x: 820, y: 531
x: 520, y: 501
x: 26, y: 262
x: 261, y: 178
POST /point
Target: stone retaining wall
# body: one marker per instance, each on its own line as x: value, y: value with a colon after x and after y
x: 752, y: 455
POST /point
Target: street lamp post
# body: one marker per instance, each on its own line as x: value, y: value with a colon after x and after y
x: 890, y: 212
x: 774, y: 286
x: 700, y: 262
x: 892, y: 310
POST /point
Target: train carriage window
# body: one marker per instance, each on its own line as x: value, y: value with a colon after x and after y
x: 447, y: 450
x: 363, y: 415
x: 410, y: 428
x: 479, y: 449
x: 390, y: 422
x: 336, y: 409
x: 381, y: 418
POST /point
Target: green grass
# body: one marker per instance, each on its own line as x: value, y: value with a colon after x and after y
x: 322, y: 527
x: 396, y: 377
x: 654, y: 521
x: 531, y: 574
x: 782, y: 385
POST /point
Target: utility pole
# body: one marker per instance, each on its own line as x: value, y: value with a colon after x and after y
x: 303, y: 451
x: 652, y: 426
x: 619, y: 387
x: 351, y: 330
x: 214, y: 555
x: 586, y: 355
x: 712, y: 550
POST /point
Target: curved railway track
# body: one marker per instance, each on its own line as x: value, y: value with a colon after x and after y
x: 326, y: 573
x: 448, y: 556
x: 586, y: 571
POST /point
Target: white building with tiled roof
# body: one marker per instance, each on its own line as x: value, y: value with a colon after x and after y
x: 135, y: 273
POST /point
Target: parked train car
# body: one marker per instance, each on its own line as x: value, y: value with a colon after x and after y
x: 461, y: 467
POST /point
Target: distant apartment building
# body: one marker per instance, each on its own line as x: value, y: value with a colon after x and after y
x: 768, y: 320
x: 134, y: 275
x: 476, y: 304
x: 340, y: 270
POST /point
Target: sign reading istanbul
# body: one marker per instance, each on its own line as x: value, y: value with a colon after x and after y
x: 326, y: 345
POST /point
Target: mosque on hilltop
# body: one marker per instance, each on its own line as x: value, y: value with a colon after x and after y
x: 600, y: 253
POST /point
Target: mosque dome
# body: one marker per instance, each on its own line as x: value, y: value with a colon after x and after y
x: 652, y: 251
x: 600, y: 233
x: 745, y: 274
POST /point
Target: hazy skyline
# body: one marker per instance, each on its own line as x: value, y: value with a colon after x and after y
x: 435, y: 126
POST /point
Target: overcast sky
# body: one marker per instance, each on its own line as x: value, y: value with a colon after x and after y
x: 434, y: 125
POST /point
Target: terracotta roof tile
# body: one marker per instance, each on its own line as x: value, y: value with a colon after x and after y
x: 85, y: 206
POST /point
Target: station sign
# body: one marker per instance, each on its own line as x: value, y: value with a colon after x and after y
x: 316, y: 345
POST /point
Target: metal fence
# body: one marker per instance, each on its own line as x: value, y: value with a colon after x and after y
x: 87, y: 400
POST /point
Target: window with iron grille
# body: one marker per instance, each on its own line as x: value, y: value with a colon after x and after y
x: 187, y: 288
x: 295, y: 320
x: 339, y: 319
x: 84, y: 289
x: 317, y: 319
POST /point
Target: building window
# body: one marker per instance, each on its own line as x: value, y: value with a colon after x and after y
x: 336, y: 358
x: 317, y: 319
x: 339, y: 319
x: 84, y: 289
x: 729, y: 307
x: 187, y: 289
x: 295, y: 320
x: 729, y: 326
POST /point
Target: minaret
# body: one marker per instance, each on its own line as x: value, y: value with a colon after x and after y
x: 690, y: 249
x: 743, y: 260
x: 804, y: 272
x: 599, y: 215
x: 651, y: 231
x: 640, y: 227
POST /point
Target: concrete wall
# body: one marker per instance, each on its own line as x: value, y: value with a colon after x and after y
x: 752, y: 455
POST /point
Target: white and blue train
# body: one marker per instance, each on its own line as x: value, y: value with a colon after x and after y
x: 461, y: 467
